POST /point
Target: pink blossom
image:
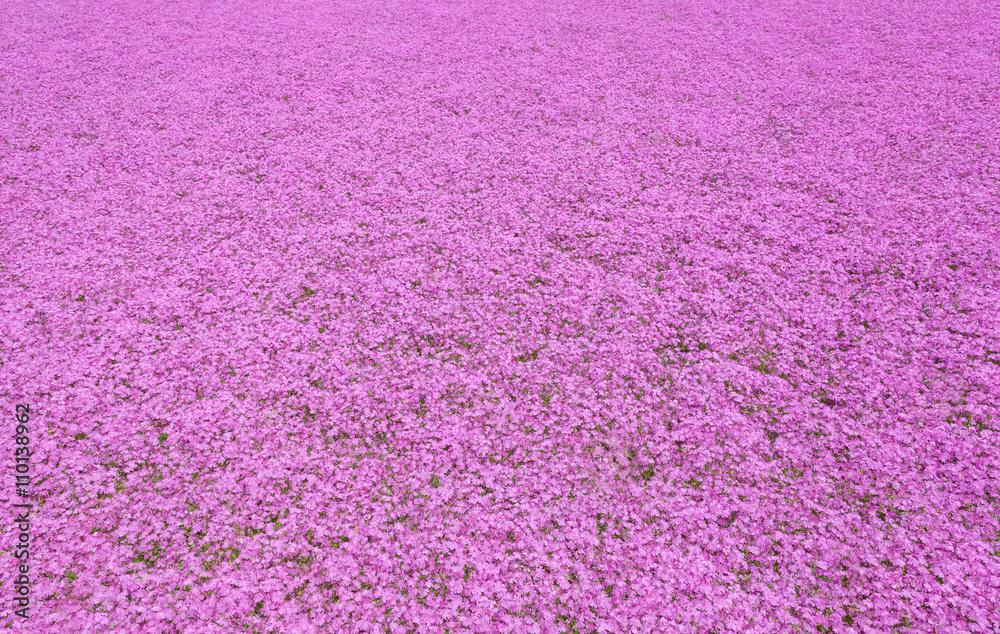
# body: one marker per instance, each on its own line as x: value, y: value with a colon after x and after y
x: 618, y: 317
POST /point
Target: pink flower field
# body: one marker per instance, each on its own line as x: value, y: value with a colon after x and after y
x: 531, y: 317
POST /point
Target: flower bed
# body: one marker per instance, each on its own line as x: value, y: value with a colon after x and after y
x: 494, y: 317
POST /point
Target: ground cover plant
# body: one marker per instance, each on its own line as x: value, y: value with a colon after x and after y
x: 444, y: 316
